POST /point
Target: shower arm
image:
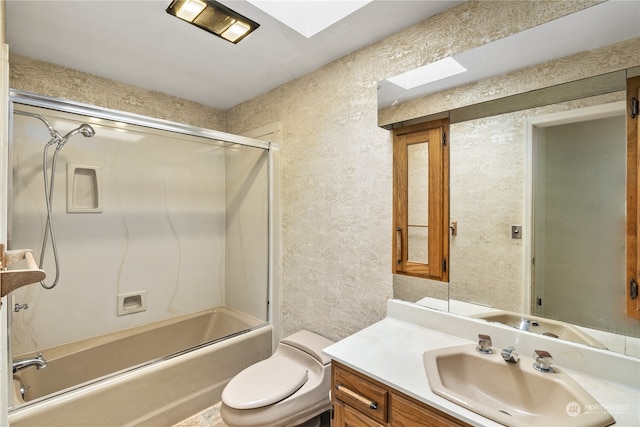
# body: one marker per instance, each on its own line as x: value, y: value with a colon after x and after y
x: 55, y: 136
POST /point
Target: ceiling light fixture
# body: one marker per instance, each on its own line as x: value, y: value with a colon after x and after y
x: 213, y: 17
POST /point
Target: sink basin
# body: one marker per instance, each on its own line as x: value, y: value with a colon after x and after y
x: 509, y: 393
x: 540, y: 325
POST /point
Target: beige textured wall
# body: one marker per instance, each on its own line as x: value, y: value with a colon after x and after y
x: 336, y: 163
x: 49, y: 79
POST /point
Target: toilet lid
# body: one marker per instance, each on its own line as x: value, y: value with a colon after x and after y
x: 264, y: 383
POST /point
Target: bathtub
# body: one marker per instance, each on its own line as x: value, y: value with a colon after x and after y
x: 108, y: 380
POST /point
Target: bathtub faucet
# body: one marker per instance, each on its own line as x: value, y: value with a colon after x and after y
x: 20, y: 364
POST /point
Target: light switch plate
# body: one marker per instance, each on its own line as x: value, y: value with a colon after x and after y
x: 516, y: 232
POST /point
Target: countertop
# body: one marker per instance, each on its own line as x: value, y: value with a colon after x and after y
x: 390, y: 351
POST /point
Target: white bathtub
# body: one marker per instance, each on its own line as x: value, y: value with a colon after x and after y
x: 157, y: 394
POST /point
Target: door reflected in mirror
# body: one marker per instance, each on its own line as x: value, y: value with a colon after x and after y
x: 579, y: 222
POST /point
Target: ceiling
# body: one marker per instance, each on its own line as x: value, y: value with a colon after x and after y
x: 138, y: 43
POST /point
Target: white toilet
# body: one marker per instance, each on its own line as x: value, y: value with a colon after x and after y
x: 288, y: 389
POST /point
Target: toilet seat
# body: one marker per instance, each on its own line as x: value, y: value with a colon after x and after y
x: 264, y: 383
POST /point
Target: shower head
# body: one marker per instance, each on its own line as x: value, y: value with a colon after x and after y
x: 84, y: 129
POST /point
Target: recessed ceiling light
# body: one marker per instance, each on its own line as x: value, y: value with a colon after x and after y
x: 309, y: 17
x: 190, y: 10
x: 213, y: 17
x: 438, y: 70
x: 235, y: 31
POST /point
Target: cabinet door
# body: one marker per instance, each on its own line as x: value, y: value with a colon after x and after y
x: 353, y: 418
x: 633, y: 201
x: 337, y: 418
x: 405, y: 413
x: 421, y: 200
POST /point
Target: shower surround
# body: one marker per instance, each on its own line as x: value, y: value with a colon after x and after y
x: 182, y: 227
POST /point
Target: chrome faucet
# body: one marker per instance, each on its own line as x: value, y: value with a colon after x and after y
x: 17, y: 307
x: 525, y: 324
x: 509, y: 354
x: 484, y: 344
x: 37, y: 361
x: 543, y: 361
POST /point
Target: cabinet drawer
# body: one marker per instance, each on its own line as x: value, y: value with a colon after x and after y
x: 360, y: 393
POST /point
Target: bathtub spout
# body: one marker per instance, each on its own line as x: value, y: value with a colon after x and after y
x: 20, y: 364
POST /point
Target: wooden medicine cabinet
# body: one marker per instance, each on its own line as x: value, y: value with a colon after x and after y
x: 421, y: 200
x: 633, y: 202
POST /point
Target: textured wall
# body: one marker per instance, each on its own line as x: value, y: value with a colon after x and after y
x: 336, y: 163
x: 336, y: 192
x: 49, y: 79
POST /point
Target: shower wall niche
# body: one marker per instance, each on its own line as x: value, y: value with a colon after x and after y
x: 84, y: 188
x: 179, y: 218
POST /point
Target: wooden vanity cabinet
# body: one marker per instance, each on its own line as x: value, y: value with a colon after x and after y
x: 360, y: 401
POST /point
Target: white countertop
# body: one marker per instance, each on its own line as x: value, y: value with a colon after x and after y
x: 390, y: 351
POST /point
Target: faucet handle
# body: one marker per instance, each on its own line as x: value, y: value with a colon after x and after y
x: 484, y: 344
x: 543, y: 361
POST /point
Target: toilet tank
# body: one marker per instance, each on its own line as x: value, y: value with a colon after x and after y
x: 310, y: 343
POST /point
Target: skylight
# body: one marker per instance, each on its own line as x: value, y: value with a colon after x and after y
x: 438, y: 70
x: 309, y: 17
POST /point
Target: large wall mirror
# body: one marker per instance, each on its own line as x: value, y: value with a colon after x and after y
x: 537, y: 178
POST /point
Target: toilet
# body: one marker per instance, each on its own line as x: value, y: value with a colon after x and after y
x: 290, y: 388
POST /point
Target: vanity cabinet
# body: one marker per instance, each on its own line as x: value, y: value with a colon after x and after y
x: 360, y: 401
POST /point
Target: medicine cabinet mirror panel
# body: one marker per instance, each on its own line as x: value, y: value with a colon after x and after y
x: 418, y: 202
x: 167, y: 239
x: 421, y: 201
x: 501, y: 177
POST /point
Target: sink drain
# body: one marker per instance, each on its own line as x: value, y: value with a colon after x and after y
x: 505, y: 412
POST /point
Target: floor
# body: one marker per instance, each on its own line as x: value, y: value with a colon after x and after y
x: 210, y: 417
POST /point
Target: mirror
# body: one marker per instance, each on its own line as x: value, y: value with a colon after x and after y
x: 495, y: 121
x: 418, y: 202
